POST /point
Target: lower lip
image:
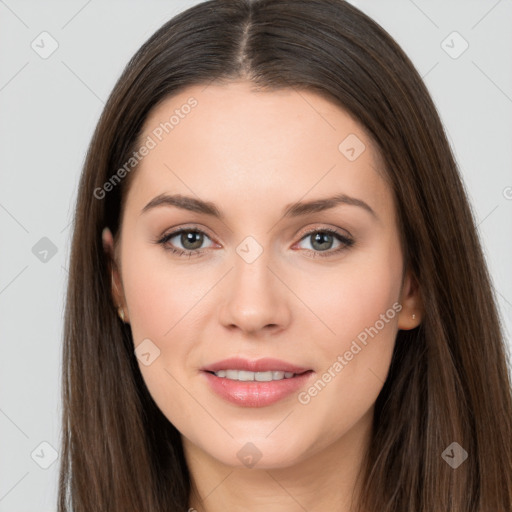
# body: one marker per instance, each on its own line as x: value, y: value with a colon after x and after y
x: 255, y: 393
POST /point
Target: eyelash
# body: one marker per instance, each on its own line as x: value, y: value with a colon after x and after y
x: 345, y: 241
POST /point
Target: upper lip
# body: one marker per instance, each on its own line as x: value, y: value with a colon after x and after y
x: 258, y: 365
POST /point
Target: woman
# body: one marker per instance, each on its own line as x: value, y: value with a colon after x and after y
x: 277, y: 295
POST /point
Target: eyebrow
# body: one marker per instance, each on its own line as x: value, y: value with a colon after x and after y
x: 291, y: 210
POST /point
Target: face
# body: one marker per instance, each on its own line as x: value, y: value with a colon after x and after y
x: 243, y: 269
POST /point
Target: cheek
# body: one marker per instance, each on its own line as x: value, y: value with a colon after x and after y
x: 359, y: 304
x: 159, y: 294
x: 160, y: 302
x: 355, y: 295
x: 151, y: 303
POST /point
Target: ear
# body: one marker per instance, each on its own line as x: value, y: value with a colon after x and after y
x: 116, y: 282
x: 412, y: 304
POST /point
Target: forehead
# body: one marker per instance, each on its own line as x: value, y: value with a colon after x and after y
x: 229, y: 139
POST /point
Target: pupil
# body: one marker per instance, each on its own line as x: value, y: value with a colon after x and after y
x: 188, y: 237
x: 322, y: 239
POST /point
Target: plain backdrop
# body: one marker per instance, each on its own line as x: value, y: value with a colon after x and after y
x: 49, y: 106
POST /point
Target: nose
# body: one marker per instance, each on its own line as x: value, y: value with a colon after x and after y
x: 255, y: 301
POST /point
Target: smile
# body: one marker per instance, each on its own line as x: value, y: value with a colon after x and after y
x: 247, y: 376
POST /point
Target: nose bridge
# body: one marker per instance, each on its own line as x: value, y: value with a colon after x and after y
x: 251, y: 266
x: 252, y: 279
x: 255, y: 298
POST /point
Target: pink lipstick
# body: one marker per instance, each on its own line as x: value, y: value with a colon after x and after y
x: 255, y: 383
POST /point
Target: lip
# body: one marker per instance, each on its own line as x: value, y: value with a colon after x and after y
x: 255, y: 393
x: 260, y: 365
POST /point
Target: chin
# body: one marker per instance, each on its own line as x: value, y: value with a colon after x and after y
x: 258, y: 454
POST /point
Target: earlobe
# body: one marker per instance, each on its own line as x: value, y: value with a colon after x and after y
x: 108, y: 242
x: 116, y: 284
x: 411, y: 314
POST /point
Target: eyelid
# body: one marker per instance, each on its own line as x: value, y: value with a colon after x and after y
x: 346, y: 242
x: 329, y: 229
x: 203, y: 230
x: 164, y: 238
x: 186, y: 227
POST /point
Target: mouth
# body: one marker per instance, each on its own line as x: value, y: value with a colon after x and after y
x: 248, y: 376
x: 247, y: 367
x: 256, y: 383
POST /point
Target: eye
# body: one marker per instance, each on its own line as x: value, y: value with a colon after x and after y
x: 323, y: 240
x: 191, y: 241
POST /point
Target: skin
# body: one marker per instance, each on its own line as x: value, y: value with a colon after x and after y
x: 253, y: 153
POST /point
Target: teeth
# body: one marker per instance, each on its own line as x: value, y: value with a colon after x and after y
x: 247, y: 376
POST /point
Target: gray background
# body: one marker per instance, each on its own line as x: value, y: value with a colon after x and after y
x: 48, y: 110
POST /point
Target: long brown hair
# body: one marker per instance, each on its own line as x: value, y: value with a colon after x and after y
x: 448, y: 380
